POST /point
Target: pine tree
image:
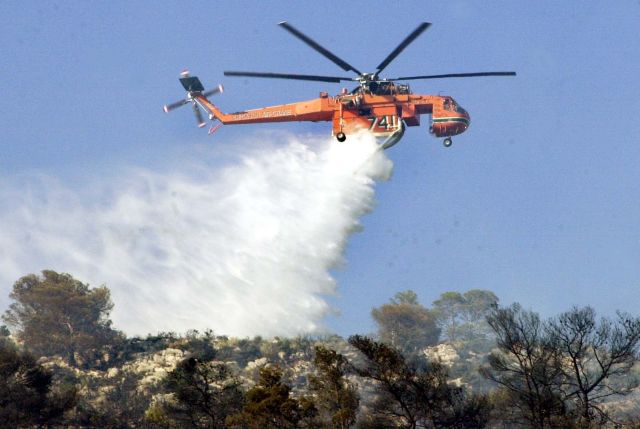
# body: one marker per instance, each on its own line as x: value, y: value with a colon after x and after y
x: 56, y: 314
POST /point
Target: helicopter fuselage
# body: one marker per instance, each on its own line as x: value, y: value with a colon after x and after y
x: 385, y: 115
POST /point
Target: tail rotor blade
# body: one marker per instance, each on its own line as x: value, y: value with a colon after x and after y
x: 169, y: 107
x: 213, y: 91
x: 196, y: 111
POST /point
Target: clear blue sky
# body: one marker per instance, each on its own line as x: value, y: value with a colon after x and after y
x: 539, y: 201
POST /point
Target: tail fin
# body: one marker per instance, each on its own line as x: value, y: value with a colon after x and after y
x: 208, y: 106
x: 191, y: 84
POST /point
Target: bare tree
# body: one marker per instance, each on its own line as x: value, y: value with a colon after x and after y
x: 598, y: 356
x: 527, y: 366
x: 415, y: 394
x: 560, y: 373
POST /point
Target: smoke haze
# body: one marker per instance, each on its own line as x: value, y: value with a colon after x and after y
x: 244, y: 249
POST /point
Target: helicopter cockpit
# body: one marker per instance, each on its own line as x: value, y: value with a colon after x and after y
x: 451, y: 105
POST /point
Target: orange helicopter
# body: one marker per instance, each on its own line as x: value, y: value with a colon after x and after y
x: 381, y: 106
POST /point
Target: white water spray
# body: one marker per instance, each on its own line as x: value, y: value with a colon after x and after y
x: 245, y: 249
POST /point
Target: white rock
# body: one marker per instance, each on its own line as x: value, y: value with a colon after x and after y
x: 444, y: 353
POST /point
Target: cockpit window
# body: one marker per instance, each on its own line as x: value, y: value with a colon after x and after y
x: 451, y: 105
x: 384, y: 88
x: 402, y: 89
x: 381, y: 88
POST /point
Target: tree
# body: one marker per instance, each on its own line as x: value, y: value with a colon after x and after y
x: 478, y: 304
x: 416, y: 395
x: 111, y: 403
x: 406, y: 324
x: 560, y: 372
x: 336, y: 396
x: 599, y: 357
x: 28, y: 396
x: 204, y: 394
x: 463, y: 316
x: 527, y: 366
x: 57, y: 314
x: 448, y: 312
x: 405, y: 297
x: 269, y: 404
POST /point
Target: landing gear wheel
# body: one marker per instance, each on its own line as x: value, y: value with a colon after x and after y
x: 447, y: 142
x: 341, y: 137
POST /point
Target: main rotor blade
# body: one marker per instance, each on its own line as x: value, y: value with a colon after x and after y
x: 441, y: 76
x: 306, y: 39
x: 410, y: 38
x: 201, y: 122
x: 288, y: 76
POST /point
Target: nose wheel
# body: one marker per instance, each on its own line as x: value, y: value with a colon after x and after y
x: 341, y: 137
x: 447, y: 142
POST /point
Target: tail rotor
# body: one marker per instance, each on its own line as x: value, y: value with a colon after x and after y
x: 213, y: 91
x: 194, y: 89
x: 169, y: 107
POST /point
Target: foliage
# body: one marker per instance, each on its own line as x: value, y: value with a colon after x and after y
x: 280, y: 349
x: 200, y: 345
x: 269, y: 404
x: 117, y: 402
x: 448, y: 310
x: 565, y: 372
x: 336, y: 397
x: 56, y: 314
x: 28, y: 396
x: 405, y: 297
x: 241, y: 351
x: 406, y: 324
x: 415, y: 395
x: 462, y: 316
x: 204, y: 395
x: 123, y: 350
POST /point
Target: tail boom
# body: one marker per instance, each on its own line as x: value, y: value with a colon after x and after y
x: 319, y: 109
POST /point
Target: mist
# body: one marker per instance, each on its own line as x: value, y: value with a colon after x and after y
x: 245, y: 248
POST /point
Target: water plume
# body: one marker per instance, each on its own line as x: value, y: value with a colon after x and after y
x: 244, y: 249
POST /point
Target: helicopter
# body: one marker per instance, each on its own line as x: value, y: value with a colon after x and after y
x: 383, y: 106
